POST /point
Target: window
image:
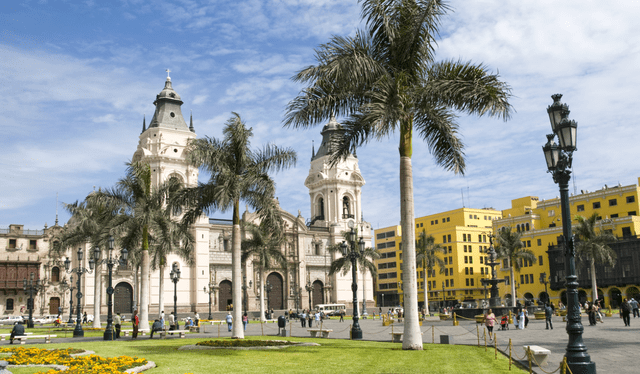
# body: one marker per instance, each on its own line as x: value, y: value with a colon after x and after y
x: 55, y: 274
x: 615, y: 215
x: 466, y: 271
x: 580, y: 208
x: 467, y: 282
x: 480, y: 238
x: 449, y: 238
x: 12, y: 243
x: 470, y: 260
x: 540, y: 260
x: 417, y: 225
x: 631, y: 199
x: 466, y: 259
x: 317, y: 248
x: 551, y: 213
x: 436, y: 222
x: 452, y: 286
x: 613, y: 202
x: 446, y: 282
x: 481, y: 271
x: 451, y: 260
x: 464, y: 237
x: 225, y: 245
x: 465, y: 248
x: 421, y: 224
x: 448, y: 219
x: 472, y: 282
x: 507, y: 281
x: 522, y: 279
x: 449, y: 249
x: 632, y: 213
x: 446, y: 272
x: 481, y: 258
x: 32, y: 244
x: 626, y: 231
x: 539, y: 241
x: 444, y: 238
x: 529, y: 243
x: 9, y: 304
x: 531, y: 278
x: 596, y: 205
x: 446, y: 262
x: 470, y: 271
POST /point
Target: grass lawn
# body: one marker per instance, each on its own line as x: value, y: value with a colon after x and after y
x: 333, y: 356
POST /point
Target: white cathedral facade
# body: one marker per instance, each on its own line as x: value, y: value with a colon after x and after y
x: 335, y: 194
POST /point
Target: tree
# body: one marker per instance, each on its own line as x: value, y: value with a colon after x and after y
x: 592, y: 247
x: 383, y: 79
x: 427, y: 251
x: 509, y: 246
x: 236, y: 173
x: 263, y: 246
x: 343, y: 263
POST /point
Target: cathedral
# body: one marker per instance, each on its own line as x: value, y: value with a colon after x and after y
x: 335, y: 197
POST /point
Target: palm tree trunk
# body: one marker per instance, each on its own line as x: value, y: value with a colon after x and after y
x: 136, y: 287
x: 97, y: 288
x: 262, y: 283
x: 412, y: 336
x: 514, y: 297
x: 144, y: 281
x: 236, y: 273
x: 161, y: 289
x: 594, y: 286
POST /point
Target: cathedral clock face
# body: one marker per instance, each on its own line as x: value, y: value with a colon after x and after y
x: 350, y: 224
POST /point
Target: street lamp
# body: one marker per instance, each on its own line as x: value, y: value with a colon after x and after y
x: 32, y: 288
x: 209, y: 291
x: 268, y: 287
x: 443, y: 303
x: 309, y: 288
x: 69, y: 286
x: 77, y: 331
x: 110, y: 261
x: 559, y: 159
x: 382, y: 301
x: 175, y: 277
x: 354, y: 251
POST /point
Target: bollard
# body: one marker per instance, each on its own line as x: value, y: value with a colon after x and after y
x: 478, y: 334
x: 495, y: 346
x: 290, y: 327
x: 455, y: 320
x: 219, y: 324
x: 350, y: 333
x: 484, y: 332
x: 510, y: 346
x: 529, y: 359
x: 262, y: 328
x: 433, y: 335
x: 510, y: 317
x: 563, y: 365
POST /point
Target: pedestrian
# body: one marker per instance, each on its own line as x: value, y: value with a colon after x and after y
x: 526, y: 317
x: 18, y: 330
x: 634, y: 307
x: 303, y: 319
x: 245, y: 320
x: 197, y: 319
x: 162, y: 320
x: 84, y: 318
x: 548, y: 313
x: 625, y: 311
x: 317, y: 317
x: 310, y: 319
x: 172, y: 322
x: 521, y: 319
x: 117, y: 321
x: 229, y: 320
x: 157, y: 326
x: 342, y: 313
x: 380, y: 312
x: 591, y: 312
x: 490, y: 321
x: 136, y: 322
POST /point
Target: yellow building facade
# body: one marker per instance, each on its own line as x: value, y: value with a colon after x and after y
x: 464, y: 233
x: 540, y: 224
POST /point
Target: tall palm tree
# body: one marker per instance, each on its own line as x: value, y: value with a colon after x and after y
x: 592, y: 247
x: 385, y: 78
x: 509, y: 246
x: 427, y: 251
x: 140, y: 204
x: 236, y: 173
x: 264, y: 247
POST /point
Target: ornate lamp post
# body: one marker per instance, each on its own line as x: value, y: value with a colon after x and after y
x: 77, y: 332
x: 209, y: 291
x: 64, y: 286
x: 443, y: 298
x: 69, y: 287
x: 268, y: 287
x: 309, y: 288
x: 31, y: 287
x: 354, y: 251
x: 110, y: 261
x: 559, y: 159
x: 175, y: 277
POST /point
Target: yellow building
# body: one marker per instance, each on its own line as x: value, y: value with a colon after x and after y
x: 464, y: 233
x: 540, y: 223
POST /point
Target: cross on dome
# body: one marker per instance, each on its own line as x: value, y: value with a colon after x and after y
x: 168, y: 77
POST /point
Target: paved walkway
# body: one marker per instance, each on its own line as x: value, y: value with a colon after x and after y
x: 611, y: 345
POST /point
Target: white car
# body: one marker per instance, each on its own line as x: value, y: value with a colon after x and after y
x: 11, y: 320
x: 45, y: 319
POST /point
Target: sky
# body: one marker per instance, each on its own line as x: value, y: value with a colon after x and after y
x: 77, y: 78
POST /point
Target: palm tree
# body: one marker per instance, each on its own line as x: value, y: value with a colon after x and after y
x: 592, y: 247
x: 427, y: 251
x: 263, y: 246
x: 385, y: 78
x: 236, y: 173
x: 509, y: 246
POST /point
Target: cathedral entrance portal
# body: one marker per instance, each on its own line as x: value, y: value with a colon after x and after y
x: 275, y: 296
x: 123, y: 298
x: 225, y: 299
x: 318, y: 295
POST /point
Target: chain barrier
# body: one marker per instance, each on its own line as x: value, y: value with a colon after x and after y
x: 465, y: 333
x: 563, y: 368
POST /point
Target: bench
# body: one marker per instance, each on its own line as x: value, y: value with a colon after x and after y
x: 540, y: 354
x: 396, y: 337
x: 126, y: 332
x: 23, y: 338
x: 324, y: 332
x: 5, y: 336
x: 182, y: 333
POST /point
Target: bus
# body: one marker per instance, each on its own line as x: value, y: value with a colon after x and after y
x: 331, y: 309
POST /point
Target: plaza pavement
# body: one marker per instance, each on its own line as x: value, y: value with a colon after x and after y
x: 611, y: 345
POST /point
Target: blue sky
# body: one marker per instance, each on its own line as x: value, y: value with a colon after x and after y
x: 78, y: 77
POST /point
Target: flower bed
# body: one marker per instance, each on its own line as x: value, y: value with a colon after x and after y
x: 90, y: 364
x: 229, y: 343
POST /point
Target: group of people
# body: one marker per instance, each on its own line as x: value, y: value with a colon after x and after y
x: 308, y: 316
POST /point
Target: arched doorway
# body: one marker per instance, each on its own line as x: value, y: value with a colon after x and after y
x: 54, y: 304
x: 318, y: 295
x: 582, y: 296
x: 276, y: 300
x: 528, y: 299
x: 224, y: 296
x: 123, y: 298
x: 543, y: 297
x: 632, y: 293
x: 601, y: 296
x: 615, y: 297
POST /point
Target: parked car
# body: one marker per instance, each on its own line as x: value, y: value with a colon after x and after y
x: 44, y: 319
x: 11, y: 320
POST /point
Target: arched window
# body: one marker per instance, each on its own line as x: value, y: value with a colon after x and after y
x: 346, y: 208
x: 321, y: 208
x: 527, y: 227
x: 9, y: 304
x: 55, y: 274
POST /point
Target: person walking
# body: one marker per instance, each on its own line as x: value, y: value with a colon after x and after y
x: 310, y: 319
x: 548, y: 313
x: 245, y: 320
x: 303, y: 319
x: 591, y: 311
x: 342, y: 313
x: 229, y: 319
x: 172, y: 322
x: 625, y: 311
x: 117, y: 321
x: 197, y: 319
x: 490, y: 321
x: 136, y: 322
x: 634, y: 307
x: 84, y: 318
x: 162, y: 320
